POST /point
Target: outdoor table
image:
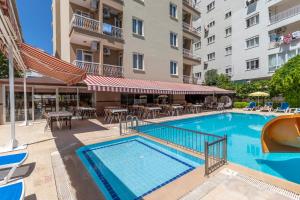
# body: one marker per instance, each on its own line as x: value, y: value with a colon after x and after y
x: 151, y: 111
x: 60, y: 116
x: 177, y: 109
x: 85, y: 111
x: 117, y: 113
x: 197, y: 107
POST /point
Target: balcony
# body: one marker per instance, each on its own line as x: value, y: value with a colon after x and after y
x: 192, y: 7
x: 96, y: 26
x: 98, y: 69
x: 189, y: 54
x: 285, y: 14
x: 189, y: 28
x: 112, y: 31
x: 85, y: 23
x: 190, y: 79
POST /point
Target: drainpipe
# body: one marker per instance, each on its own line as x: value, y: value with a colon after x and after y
x: 25, y: 100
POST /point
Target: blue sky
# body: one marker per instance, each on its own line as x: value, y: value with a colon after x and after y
x: 36, y: 18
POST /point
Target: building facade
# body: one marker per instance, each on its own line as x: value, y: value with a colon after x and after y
x: 138, y: 39
x: 247, y: 39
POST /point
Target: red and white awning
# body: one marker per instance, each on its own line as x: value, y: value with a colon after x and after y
x: 50, y: 66
x: 125, y: 85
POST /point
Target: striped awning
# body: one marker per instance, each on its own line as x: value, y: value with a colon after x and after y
x: 125, y: 85
x: 50, y: 66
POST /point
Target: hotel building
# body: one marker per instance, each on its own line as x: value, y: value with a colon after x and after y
x: 247, y: 39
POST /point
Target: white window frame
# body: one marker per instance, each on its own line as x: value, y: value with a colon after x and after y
x: 211, y: 24
x: 138, y: 61
x: 136, y: 31
x: 211, y: 56
x: 85, y: 52
x: 227, y: 32
x: 174, y: 63
x: 228, y: 53
x: 228, y: 14
x: 211, y: 39
x: 197, y: 45
x: 176, y: 10
x: 252, y: 61
x: 172, y: 34
x: 255, y: 40
x: 255, y: 20
x: 210, y: 6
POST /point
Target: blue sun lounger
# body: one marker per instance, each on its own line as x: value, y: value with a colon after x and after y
x: 251, y: 106
x: 284, y: 107
x: 12, y: 161
x: 12, y: 191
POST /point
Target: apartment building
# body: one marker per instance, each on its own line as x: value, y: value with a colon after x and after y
x: 140, y: 39
x: 247, y: 39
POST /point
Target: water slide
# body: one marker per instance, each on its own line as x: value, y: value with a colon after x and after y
x: 282, y: 134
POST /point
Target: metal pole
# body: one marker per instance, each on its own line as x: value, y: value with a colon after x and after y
x: 25, y: 100
x: 56, y: 100
x: 32, y: 99
x: 77, y: 98
x: 12, y: 97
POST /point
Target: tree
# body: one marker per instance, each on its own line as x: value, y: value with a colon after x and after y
x: 286, y: 82
x: 4, y: 67
x: 224, y: 82
x: 211, y: 77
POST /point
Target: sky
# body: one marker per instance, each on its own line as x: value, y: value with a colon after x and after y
x: 36, y: 19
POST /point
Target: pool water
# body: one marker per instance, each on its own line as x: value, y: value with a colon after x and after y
x: 244, y: 144
x: 131, y: 168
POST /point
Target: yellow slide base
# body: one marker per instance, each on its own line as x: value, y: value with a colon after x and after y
x: 282, y: 134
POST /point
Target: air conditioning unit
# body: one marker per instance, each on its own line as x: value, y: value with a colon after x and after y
x: 106, y: 51
x: 106, y: 12
x: 94, y: 46
x: 94, y: 5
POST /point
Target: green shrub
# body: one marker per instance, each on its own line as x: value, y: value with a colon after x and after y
x: 240, y: 104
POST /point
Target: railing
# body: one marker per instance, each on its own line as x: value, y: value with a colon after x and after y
x: 85, y: 23
x: 191, y: 3
x: 190, y: 28
x: 213, y: 147
x: 89, y: 67
x: 285, y: 14
x: 215, y: 154
x: 190, y: 79
x: 113, y: 31
x: 112, y: 70
x: 190, y: 54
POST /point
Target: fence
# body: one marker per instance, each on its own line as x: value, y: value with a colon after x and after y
x: 213, y: 147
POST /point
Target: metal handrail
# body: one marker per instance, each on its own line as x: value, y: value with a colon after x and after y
x: 190, y: 54
x: 285, y: 14
x: 190, y: 79
x: 112, y: 31
x: 190, y: 28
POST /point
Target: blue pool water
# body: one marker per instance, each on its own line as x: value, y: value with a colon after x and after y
x: 130, y: 168
x: 244, y: 145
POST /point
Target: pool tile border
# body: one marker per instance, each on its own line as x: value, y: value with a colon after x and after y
x: 110, y: 189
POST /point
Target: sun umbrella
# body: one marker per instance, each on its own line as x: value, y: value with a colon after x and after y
x: 259, y: 94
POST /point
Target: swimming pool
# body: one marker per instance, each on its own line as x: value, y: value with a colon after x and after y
x: 131, y: 168
x: 244, y: 145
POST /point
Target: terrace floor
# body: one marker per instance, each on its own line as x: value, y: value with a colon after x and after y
x: 52, y: 165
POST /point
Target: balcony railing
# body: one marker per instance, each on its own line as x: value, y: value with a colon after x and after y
x: 188, y: 53
x: 190, y: 79
x: 190, y: 28
x: 85, y: 23
x: 285, y: 14
x: 89, y: 67
x: 98, y: 69
x: 113, y: 31
x: 191, y: 3
x: 112, y: 70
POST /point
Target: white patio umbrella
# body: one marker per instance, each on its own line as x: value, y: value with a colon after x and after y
x: 259, y: 94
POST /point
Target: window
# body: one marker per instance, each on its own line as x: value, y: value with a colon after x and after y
x: 197, y: 45
x: 173, y: 68
x: 211, y: 39
x: 228, y: 71
x: 211, y: 24
x: 252, y: 42
x: 273, y: 62
x: 85, y: 56
x: 138, y: 26
x: 198, y: 75
x: 211, y: 6
x: 173, y: 10
x: 211, y: 56
x: 228, y: 14
x: 205, y: 66
x: 173, y: 39
x: 228, y: 51
x: 198, y: 29
x: 252, y: 64
x: 251, y: 21
x: 138, y: 61
x: 228, y: 32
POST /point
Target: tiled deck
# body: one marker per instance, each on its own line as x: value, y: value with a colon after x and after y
x: 40, y: 181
